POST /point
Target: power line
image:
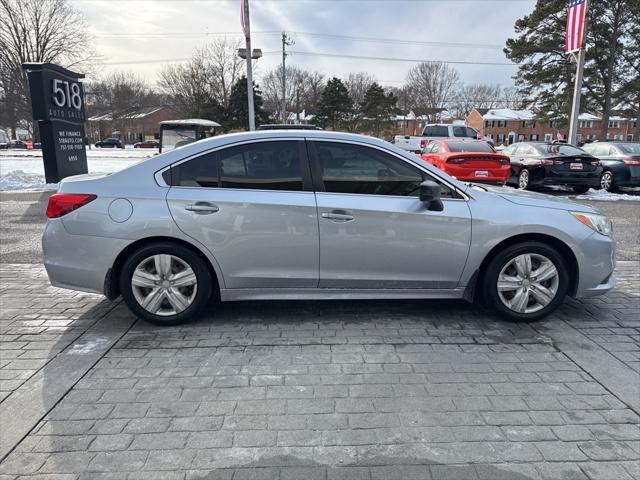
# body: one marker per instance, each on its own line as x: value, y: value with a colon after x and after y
x: 397, y: 41
x: 398, y: 59
x: 316, y: 1
x: 324, y: 54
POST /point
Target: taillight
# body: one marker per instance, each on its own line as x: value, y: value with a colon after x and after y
x: 544, y: 161
x: 631, y: 161
x: 423, y: 144
x: 62, y: 203
x: 456, y: 161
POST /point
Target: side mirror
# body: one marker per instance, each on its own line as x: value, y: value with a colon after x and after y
x: 430, y: 194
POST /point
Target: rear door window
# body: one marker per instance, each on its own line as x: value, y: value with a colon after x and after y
x: 258, y: 166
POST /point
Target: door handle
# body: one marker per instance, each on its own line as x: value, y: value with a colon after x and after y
x: 338, y: 217
x: 202, y: 208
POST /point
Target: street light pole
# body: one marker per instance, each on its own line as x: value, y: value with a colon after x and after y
x: 247, y: 33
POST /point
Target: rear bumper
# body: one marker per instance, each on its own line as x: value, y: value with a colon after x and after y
x: 548, y: 176
x: 78, y: 262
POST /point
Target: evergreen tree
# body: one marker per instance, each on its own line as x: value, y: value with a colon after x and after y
x: 335, y: 106
x: 237, y: 114
x: 378, y: 107
x: 546, y: 72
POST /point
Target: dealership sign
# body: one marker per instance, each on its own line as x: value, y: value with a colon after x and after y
x: 57, y: 99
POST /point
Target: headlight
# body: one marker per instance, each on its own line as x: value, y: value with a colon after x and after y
x: 599, y: 223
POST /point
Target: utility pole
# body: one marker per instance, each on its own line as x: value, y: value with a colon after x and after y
x: 577, y: 88
x: 247, y: 36
x: 298, y: 103
x: 286, y: 41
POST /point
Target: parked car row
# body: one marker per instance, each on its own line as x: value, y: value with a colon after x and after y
x: 606, y: 165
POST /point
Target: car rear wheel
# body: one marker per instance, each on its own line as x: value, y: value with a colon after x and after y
x: 523, y: 179
x: 607, y: 182
x: 581, y: 188
x: 165, y: 283
x: 526, y: 281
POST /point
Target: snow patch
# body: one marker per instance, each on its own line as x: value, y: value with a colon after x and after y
x: 21, y: 180
x: 603, y: 195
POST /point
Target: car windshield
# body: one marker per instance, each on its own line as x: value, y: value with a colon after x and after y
x: 480, y: 147
x: 560, y: 149
x: 633, y: 148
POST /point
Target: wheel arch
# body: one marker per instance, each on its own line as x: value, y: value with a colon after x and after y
x: 559, y: 245
x: 112, y: 288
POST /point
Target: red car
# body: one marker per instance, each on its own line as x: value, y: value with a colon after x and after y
x: 468, y: 160
x: 147, y: 144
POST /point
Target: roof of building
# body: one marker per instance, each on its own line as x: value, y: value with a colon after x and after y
x: 508, y: 114
x: 132, y: 114
x: 192, y: 121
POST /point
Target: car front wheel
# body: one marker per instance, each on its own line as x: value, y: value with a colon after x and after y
x: 526, y: 281
x: 165, y: 283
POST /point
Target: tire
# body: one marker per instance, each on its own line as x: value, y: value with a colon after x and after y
x: 581, y: 188
x: 171, y: 304
x: 503, y: 265
x: 608, y: 181
x: 524, y: 179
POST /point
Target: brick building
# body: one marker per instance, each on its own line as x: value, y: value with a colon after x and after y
x: 505, y: 126
x: 132, y: 126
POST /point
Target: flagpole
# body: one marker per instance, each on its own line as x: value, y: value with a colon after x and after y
x: 247, y: 33
x: 577, y: 88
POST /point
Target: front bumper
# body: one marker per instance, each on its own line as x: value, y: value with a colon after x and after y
x: 596, y: 263
x: 78, y: 262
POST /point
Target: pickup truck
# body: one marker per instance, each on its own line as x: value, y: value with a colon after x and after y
x: 416, y: 144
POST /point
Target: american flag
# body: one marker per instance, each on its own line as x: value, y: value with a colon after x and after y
x: 575, y: 25
x: 244, y: 28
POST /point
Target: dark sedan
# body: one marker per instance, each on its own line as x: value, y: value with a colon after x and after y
x: 147, y: 144
x: 620, y: 163
x: 109, y: 143
x: 535, y: 164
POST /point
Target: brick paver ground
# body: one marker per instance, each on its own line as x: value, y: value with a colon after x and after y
x: 327, y: 390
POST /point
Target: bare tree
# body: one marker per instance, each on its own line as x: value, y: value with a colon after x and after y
x: 303, y: 90
x: 476, y: 95
x: 431, y: 86
x: 36, y: 31
x: 206, y: 80
x: 121, y: 95
x: 358, y: 84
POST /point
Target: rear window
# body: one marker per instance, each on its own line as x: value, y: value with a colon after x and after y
x: 633, y: 148
x: 477, y: 147
x: 436, y: 131
x: 560, y: 149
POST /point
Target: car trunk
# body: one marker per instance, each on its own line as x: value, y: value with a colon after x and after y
x: 474, y: 161
x: 574, y: 164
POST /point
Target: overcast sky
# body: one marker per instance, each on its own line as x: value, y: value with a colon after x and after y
x: 128, y: 31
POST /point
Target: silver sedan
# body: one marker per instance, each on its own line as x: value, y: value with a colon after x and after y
x: 316, y: 215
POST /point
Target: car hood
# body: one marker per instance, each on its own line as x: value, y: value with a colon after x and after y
x: 533, y: 199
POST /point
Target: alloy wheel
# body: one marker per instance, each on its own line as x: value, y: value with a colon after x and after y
x: 528, y: 283
x: 164, y: 284
x: 606, y: 181
x: 523, y: 179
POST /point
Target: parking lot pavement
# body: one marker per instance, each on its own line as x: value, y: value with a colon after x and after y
x: 290, y: 390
